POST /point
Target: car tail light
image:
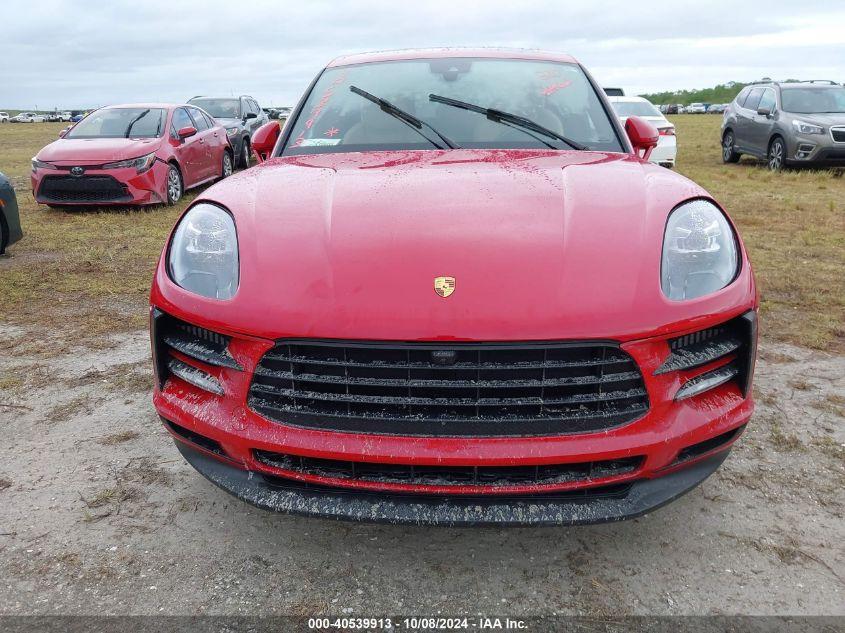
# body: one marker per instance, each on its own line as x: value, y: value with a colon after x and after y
x: 666, y: 131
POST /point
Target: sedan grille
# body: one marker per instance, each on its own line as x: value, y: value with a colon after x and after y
x: 83, y: 189
x: 449, y: 390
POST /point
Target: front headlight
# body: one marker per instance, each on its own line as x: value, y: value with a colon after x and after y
x: 699, y: 251
x: 204, y: 252
x: 37, y: 164
x: 141, y: 164
x: 802, y: 127
x: 231, y: 131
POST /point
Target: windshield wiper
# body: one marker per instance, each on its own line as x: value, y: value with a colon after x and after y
x: 408, y: 119
x: 134, y: 121
x: 511, y: 120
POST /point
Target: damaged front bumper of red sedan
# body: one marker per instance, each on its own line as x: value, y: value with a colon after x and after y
x: 600, y: 431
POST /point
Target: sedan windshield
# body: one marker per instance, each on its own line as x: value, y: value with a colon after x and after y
x: 810, y: 100
x: 219, y: 108
x: 555, y: 96
x: 635, y: 108
x: 121, y: 123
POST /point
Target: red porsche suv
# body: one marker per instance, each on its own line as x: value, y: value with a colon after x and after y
x: 456, y: 293
x: 132, y: 155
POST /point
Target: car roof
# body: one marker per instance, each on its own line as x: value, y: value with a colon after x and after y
x: 435, y: 53
x: 143, y: 105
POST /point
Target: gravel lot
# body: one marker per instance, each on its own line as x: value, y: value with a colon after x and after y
x: 99, y: 514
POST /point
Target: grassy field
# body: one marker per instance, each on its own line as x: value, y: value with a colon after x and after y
x: 87, y: 273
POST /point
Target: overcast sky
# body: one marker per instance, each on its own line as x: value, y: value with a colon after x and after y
x: 78, y: 54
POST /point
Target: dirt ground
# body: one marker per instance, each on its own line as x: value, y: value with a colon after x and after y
x: 99, y: 514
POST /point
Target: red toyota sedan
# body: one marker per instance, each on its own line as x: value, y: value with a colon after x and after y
x: 132, y: 155
x: 455, y: 292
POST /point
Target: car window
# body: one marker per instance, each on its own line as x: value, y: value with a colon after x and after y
x: 556, y: 95
x: 181, y: 119
x: 742, y: 96
x: 211, y: 122
x: 254, y: 107
x: 753, y: 98
x: 199, y: 120
x: 816, y: 99
x: 767, y: 100
x: 219, y: 108
x: 634, y: 108
x: 121, y: 123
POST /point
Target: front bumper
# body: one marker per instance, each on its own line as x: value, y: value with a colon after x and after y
x: 140, y: 189
x: 292, y: 497
x: 815, y: 150
x: 671, y: 437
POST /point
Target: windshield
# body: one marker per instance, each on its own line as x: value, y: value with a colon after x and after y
x: 121, y: 123
x: 810, y: 100
x: 220, y: 108
x: 635, y: 108
x: 557, y: 96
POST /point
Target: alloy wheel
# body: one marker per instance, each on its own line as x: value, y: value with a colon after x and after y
x: 776, y: 155
x: 174, y: 185
x: 728, y: 147
x: 227, y: 164
x: 245, y: 155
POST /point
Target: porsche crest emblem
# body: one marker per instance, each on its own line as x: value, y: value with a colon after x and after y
x: 444, y: 286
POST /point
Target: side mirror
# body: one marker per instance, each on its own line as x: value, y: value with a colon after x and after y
x: 250, y: 115
x: 63, y: 133
x: 186, y: 132
x: 764, y: 111
x: 264, y: 140
x: 643, y: 136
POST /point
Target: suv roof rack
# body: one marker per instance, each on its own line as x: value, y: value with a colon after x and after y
x: 830, y: 82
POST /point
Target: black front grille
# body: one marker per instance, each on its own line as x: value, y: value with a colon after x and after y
x: 449, y: 390
x: 83, y: 189
x: 838, y: 134
x: 493, y: 476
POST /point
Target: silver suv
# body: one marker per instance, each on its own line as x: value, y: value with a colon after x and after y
x: 790, y: 123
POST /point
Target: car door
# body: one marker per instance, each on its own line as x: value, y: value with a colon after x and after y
x: 189, y: 151
x: 208, y: 163
x: 762, y: 125
x: 745, y: 121
x: 257, y: 122
x: 219, y: 142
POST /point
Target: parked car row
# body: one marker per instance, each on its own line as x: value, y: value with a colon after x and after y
x: 693, y: 108
x: 787, y: 124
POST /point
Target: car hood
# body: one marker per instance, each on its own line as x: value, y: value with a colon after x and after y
x: 85, y: 150
x: 822, y: 118
x: 542, y: 245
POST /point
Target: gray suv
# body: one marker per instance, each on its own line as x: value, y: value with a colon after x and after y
x: 788, y: 124
x: 241, y: 116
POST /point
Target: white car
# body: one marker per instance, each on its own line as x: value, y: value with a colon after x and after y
x: 667, y: 149
x: 28, y: 117
x: 4, y: 117
x: 696, y: 108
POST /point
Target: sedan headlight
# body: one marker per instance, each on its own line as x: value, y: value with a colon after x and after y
x: 802, y: 127
x: 37, y: 164
x: 231, y: 131
x: 141, y: 164
x: 699, y: 251
x: 204, y: 252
